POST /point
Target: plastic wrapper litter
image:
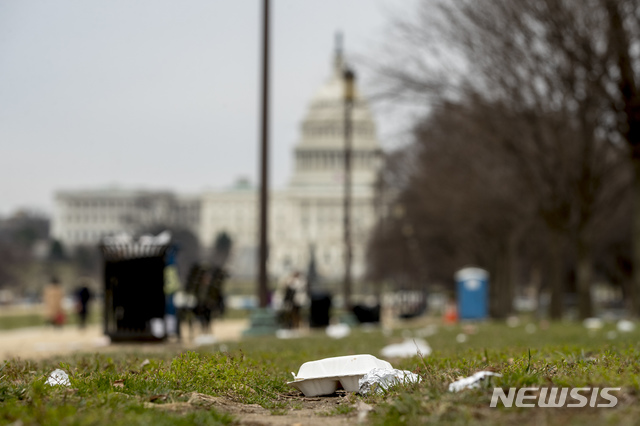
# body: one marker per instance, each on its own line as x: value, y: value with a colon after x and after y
x: 58, y: 378
x: 379, y: 380
x: 471, y: 382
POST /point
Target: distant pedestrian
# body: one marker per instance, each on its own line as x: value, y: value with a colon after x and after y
x: 294, y: 297
x: 52, y: 297
x: 83, y: 297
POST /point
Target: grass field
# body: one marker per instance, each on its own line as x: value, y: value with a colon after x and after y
x: 221, y: 384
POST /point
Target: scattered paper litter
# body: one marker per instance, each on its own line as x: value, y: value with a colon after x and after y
x: 471, y: 382
x: 407, y: 349
x: 593, y: 323
x: 461, y: 338
x: 428, y: 331
x: 338, y: 331
x: 58, y: 377
x: 205, y: 339
x: 625, y: 326
x: 380, y: 379
x: 285, y: 333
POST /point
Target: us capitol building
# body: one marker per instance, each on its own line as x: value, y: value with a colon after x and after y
x: 304, y: 218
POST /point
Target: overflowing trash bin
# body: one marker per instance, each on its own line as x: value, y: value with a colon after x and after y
x: 320, y: 309
x: 134, y: 297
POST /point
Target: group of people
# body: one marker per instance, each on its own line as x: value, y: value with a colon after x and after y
x: 53, y: 298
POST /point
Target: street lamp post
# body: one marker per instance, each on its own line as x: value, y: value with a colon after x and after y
x: 264, y: 163
x: 349, y: 95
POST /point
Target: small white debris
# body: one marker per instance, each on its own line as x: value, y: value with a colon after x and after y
x: 625, y: 326
x: 471, y: 382
x: 407, y: 349
x: 380, y: 379
x: 285, y: 333
x: 513, y: 321
x: 611, y: 334
x: 461, y: 338
x: 592, y: 323
x: 428, y: 331
x: 530, y: 328
x: 145, y: 363
x: 338, y: 331
x: 58, y: 378
x: 205, y: 339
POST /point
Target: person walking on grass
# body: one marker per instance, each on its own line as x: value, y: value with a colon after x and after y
x: 83, y: 296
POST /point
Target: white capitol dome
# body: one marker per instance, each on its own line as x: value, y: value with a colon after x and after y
x: 319, y: 153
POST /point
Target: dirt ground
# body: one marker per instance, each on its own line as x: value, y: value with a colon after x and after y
x: 314, y: 411
x: 41, y: 342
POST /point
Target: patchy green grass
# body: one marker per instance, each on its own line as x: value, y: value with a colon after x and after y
x: 254, y: 372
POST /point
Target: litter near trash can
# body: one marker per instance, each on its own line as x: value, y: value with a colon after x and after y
x: 471, y: 382
x: 338, y: 331
x: 379, y: 380
x: 325, y: 376
x: 58, y: 378
x: 407, y: 349
x: 134, y: 297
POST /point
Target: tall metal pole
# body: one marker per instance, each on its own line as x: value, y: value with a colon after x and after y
x: 263, y: 295
x: 349, y: 78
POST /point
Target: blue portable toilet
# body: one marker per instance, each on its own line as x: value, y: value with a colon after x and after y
x: 472, y: 285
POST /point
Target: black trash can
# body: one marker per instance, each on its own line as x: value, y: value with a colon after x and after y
x: 319, y: 314
x: 367, y: 314
x: 134, y: 299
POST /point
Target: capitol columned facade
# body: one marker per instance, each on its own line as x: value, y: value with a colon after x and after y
x: 304, y: 217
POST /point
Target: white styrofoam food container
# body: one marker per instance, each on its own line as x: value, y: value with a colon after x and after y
x: 323, y: 377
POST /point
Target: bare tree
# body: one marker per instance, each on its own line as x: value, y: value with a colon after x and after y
x: 536, y: 74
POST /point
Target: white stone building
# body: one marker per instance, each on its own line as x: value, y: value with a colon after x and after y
x: 307, y: 214
x: 84, y: 217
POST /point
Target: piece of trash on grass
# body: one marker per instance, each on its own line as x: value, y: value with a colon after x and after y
x: 58, y: 378
x: 205, y: 339
x: 592, y: 323
x: 285, y: 333
x: 427, y: 331
x: 118, y: 383
x: 625, y: 326
x: 471, y: 382
x: 461, y: 338
x: 380, y: 379
x: 145, y: 363
x: 338, y: 331
x: 323, y: 377
x: 406, y: 349
x: 513, y: 321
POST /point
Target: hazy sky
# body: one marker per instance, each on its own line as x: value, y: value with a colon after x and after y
x: 160, y: 94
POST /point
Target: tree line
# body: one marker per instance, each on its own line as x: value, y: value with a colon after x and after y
x: 527, y: 161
